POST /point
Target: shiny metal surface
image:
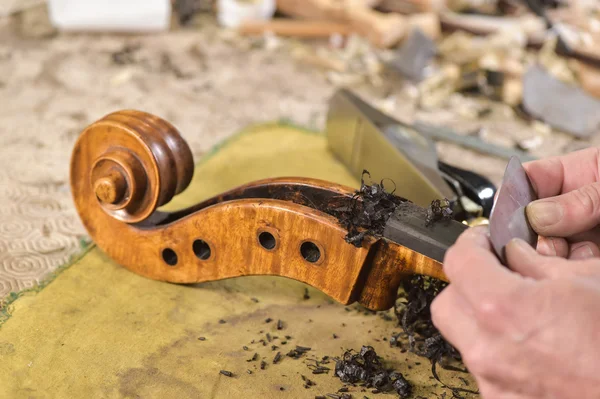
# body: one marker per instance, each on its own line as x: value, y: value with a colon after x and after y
x: 408, y: 227
x: 360, y: 136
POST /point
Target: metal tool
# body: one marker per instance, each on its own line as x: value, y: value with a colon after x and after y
x: 509, y: 219
x: 364, y: 138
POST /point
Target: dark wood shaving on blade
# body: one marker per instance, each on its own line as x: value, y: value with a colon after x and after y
x: 438, y: 210
x: 367, y: 212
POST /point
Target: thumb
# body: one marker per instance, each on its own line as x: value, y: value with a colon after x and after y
x: 568, y: 214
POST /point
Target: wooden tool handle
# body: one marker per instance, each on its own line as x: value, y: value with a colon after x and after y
x: 296, y: 28
x: 128, y: 163
x: 383, y: 30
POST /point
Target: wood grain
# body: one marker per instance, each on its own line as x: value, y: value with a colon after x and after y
x: 128, y: 163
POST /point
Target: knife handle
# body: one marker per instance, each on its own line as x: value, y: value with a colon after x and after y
x: 476, y: 187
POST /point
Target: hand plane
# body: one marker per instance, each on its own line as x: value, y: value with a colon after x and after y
x: 128, y: 163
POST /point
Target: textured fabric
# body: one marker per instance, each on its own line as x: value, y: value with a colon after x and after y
x: 38, y: 233
x: 100, y: 331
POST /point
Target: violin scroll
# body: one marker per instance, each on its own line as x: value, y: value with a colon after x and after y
x: 133, y: 162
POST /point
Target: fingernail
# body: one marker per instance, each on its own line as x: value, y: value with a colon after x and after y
x: 519, y: 244
x: 521, y: 247
x: 518, y: 250
x: 545, y: 246
x: 543, y: 213
x: 552, y: 246
x: 583, y: 252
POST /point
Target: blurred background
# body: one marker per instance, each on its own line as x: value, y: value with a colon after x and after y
x: 520, y: 74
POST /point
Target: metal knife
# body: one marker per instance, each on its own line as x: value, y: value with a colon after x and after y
x: 364, y: 138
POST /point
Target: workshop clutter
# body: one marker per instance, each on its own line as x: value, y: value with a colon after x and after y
x: 540, y: 58
x: 530, y: 57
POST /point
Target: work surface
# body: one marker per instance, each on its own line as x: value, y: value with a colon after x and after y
x: 90, y: 328
x: 207, y: 82
x: 99, y: 330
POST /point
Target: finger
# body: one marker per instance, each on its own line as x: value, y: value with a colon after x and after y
x: 475, y: 271
x: 561, y: 174
x: 592, y: 235
x: 553, y: 246
x: 584, y: 250
x: 526, y: 261
x: 476, y: 239
x: 565, y: 215
x: 452, y: 316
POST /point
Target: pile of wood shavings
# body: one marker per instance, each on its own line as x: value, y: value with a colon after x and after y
x: 366, y: 367
x: 414, y: 315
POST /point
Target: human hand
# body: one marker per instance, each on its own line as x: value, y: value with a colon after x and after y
x: 531, y: 331
x: 568, y: 212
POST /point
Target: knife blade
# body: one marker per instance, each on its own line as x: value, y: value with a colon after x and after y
x: 407, y: 225
x: 359, y: 136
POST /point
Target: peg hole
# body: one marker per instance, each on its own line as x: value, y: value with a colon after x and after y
x: 169, y: 256
x: 267, y: 240
x: 310, y: 251
x: 201, y: 249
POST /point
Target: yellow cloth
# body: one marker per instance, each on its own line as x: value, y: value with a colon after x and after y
x: 100, y: 331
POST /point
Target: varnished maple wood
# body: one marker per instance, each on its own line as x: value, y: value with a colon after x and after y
x: 128, y: 163
x: 391, y: 263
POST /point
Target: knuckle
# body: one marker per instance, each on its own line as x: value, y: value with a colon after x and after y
x: 487, y: 307
x: 493, y: 312
x: 477, y: 360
